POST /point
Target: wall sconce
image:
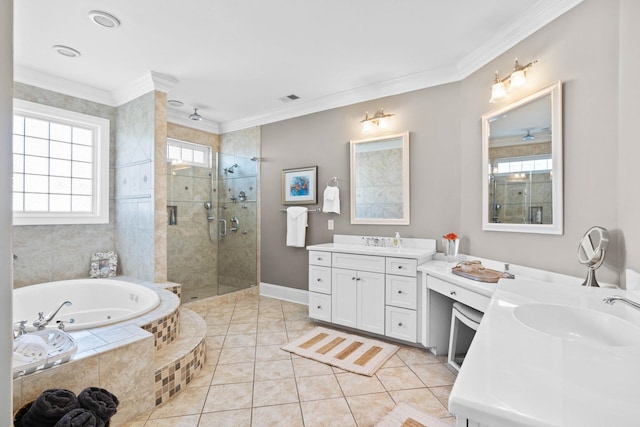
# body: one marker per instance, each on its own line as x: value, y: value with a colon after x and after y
x: 379, y: 119
x: 516, y: 79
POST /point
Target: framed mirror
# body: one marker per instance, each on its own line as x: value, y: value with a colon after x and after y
x: 380, y: 180
x: 522, y: 165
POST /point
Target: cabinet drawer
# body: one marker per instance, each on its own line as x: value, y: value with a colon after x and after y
x: 320, y: 306
x: 320, y: 279
x: 401, y: 291
x: 401, y: 324
x: 320, y: 258
x: 402, y: 266
x: 371, y: 263
x: 465, y: 296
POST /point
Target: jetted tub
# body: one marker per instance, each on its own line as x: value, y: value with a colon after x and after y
x: 95, y: 302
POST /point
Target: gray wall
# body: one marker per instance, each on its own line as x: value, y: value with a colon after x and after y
x: 6, y: 160
x: 582, y: 49
x: 628, y: 146
x: 323, y: 139
x: 59, y: 252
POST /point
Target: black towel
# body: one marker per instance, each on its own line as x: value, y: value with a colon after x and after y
x: 103, y: 404
x: 79, y: 417
x: 48, y: 408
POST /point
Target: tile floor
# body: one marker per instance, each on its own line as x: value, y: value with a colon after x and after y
x: 248, y: 381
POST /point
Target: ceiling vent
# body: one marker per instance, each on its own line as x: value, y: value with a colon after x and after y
x: 289, y: 98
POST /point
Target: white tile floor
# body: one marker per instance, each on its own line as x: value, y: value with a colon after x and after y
x: 248, y: 381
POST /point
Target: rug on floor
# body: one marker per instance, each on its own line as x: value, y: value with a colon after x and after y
x: 404, y: 415
x: 345, y: 351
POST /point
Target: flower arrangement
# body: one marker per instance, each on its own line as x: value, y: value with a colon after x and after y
x: 450, y: 236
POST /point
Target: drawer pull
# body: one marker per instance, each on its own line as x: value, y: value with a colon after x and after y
x: 319, y: 258
x: 400, y: 324
x: 399, y: 292
x: 452, y: 292
x: 319, y: 279
x: 319, y: 307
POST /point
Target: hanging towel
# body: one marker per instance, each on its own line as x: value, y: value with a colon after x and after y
x: 331, y: 200
x: 296, y: 226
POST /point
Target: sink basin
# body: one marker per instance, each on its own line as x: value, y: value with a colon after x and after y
x: 579, y: 324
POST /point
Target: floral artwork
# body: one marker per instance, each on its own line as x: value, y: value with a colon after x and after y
x: 299, y: 186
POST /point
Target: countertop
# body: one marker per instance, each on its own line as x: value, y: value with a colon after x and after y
x: 420, y: 254
x: 515, y: 375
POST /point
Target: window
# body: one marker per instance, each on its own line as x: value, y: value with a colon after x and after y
x: 60, y: 166
x: 188, y: 153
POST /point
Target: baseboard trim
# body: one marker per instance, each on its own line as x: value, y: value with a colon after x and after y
x: 284, y: 293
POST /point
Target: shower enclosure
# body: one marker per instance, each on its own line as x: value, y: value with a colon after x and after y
x: 212, y: 226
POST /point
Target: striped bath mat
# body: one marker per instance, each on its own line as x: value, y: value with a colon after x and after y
x: 345, y: 351
x: 404, y: 415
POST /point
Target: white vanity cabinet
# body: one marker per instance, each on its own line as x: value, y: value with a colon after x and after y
x: 358, y: 291
x: 369, y: 288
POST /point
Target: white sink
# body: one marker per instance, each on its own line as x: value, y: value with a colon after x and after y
x: 578, y: 324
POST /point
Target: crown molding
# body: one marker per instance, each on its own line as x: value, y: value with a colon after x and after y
x: 142, y: 85
x: 179, y: 118
x: 541, y: 14
x: 53, y: 83
x: 378, y: 90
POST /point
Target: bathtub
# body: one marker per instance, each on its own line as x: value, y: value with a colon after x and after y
x: 95, y: 302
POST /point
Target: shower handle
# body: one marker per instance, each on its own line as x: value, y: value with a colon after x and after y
x: 223, y: 231
x: 235, y: 223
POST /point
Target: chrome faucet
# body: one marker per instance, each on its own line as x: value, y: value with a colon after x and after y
x: 615, y: 298
x: 44, y: 320
x: 506, y: 273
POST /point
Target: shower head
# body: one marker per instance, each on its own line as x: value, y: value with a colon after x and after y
x: 230, y: 168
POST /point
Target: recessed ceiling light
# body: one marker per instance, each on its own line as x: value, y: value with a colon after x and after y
x: 66, y: 51
x: 104, y: 19
x: 175, y: 103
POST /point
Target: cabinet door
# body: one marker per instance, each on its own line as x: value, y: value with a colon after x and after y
x: 320, y: 306
x: 370, y: 302
x: 343, y: 297
x: 320, y: 279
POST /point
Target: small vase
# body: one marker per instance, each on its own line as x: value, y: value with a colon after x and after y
x: 451, y: 249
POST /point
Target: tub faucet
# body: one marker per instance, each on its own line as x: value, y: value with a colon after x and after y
x: 615, y: 298
x: 44, y: 320
x: 507, y: 274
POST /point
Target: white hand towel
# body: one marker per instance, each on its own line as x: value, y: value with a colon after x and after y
x: 296, y: 226
x: 331, y: 200
x: 32, y: 346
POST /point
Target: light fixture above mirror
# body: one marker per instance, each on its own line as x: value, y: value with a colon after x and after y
x: 379, y: 119
x: 516, y: 79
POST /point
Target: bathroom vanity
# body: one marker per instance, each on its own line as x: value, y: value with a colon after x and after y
x: 366, y: 284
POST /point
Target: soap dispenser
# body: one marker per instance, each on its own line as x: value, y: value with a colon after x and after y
x: 396, y: 241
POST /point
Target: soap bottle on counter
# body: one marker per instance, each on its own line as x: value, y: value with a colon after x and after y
x: 397, y: 243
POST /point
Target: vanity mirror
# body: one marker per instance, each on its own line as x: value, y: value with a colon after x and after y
x: 591, y: 252
x: 380, y: 180
x: 522, y: 165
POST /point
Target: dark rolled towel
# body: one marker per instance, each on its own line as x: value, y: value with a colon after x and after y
x: 79, y: 417
x: 103, y: 403
x: 49, y: 407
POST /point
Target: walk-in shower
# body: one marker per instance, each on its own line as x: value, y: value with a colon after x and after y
x: 212, y: 243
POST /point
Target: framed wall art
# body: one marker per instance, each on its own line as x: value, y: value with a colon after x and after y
x: 300, y: 186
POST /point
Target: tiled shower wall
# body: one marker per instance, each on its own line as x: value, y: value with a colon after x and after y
x: 238, y: 252
x: 134, y: 163
x: 56, y: 252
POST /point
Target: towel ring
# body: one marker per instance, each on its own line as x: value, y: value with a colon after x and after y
x: 333, y: 180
